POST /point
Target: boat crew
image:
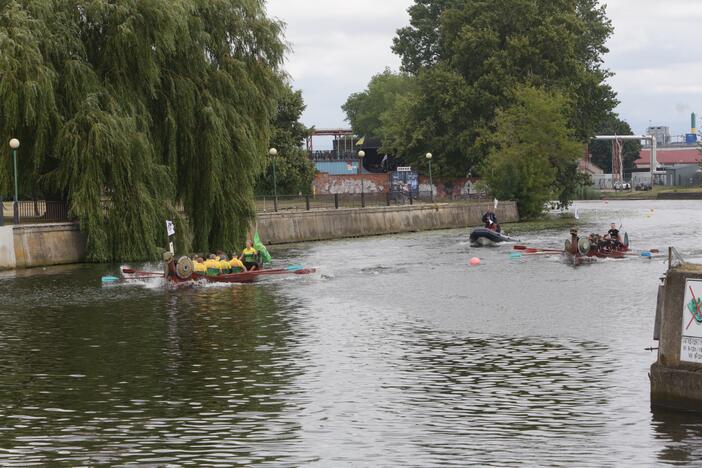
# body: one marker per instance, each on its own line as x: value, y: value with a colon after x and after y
x: 490, y: 220
x: 199, y: 266
x: 574, y: 241
x: 222, y: 263
x: 613, y: 235
x: 212, y: 265
x: 250, y: 257
x: 235, y: 265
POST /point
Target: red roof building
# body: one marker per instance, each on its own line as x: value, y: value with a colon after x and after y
x: 669, y: 156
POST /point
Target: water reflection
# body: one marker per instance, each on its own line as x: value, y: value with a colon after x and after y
x: 193, y: 375
x: 680, y: 435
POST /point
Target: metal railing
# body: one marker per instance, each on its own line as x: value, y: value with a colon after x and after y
x: 45, y: 211
x: 266, y: 204
x: 33, y: 212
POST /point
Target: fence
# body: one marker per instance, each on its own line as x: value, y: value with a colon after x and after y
x: 43, y: 211
x: 33, y: 212
x: 348, y: 200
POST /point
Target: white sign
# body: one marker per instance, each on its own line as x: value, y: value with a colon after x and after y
x: 691, y: 346
x: 404, y: 169
x: 170, y: 228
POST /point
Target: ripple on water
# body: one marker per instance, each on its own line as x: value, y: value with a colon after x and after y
x: 387, y: 362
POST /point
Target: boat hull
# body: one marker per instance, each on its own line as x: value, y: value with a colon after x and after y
x: 482, y: 237
x: 592, y: 256
x: 239, y: 278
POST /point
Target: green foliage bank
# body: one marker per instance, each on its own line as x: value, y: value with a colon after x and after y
x: 129, y: 109
x: 534, y: 155
x: 466, y: 62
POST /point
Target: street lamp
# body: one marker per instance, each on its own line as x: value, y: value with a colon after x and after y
x: 431, y: 185
x: 274, y: 152
x: 14, y: 144
x: 361, y: 155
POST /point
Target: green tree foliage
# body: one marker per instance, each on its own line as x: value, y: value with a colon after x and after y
x: 601, y: 151
x: 468, y: 56
x: 294, y: 170
x: 129, y: 109
x: 534, y: 154
x: 371, y: 110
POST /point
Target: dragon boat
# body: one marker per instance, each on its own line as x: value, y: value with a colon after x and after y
x: 181, y: 272
x: 587, y: 249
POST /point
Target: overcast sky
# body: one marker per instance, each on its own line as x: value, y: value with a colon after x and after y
x: 337, y: 45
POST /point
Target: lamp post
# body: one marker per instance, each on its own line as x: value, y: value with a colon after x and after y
x: 274, y: 152
x: 361, y: 155
x: 14, y: 144
x: 431, y: 184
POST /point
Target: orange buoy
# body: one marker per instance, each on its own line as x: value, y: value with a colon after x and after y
x: 475, y: 261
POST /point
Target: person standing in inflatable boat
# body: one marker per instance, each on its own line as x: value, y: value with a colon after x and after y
x: 490, y: 221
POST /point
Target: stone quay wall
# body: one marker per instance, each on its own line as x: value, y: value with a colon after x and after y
x: 303, y: 226
x: 676, y: 377
x: 39, y: 245
x: 36, y: 245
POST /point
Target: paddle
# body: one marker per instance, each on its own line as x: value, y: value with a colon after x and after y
x: 129, y: 271
x: 535, y: 249
x: 295, y: 268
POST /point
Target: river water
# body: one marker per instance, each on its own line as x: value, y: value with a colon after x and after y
x: 396, y: 354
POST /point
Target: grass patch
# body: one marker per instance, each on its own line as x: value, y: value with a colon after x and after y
x: 587, y: 192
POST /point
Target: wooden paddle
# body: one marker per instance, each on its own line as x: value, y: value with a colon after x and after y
x: 535, y: 249
x: 153, y: 274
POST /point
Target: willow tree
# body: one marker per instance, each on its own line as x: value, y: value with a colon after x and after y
x: 132, y: 109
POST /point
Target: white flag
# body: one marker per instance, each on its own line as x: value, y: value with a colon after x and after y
x: 497, y: 202
x: 170, y: 228
x: 577, y: 215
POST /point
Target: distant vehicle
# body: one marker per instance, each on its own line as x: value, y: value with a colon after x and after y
x: 622, y: 186
x: 643, y: 187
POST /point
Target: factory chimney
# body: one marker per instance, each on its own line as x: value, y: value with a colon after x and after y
x: 691, y: 138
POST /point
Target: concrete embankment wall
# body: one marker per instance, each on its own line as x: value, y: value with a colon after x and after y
x: 282, y: 228
x: 28, y: 246
x: 676, y: 377
x: 39, y: 245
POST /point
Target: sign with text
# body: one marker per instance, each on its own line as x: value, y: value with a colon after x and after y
x: 691, y: 346
x: 404, y: 169
x: 170, y: 228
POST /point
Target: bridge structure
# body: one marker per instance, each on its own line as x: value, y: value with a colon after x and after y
x: 344, y: 139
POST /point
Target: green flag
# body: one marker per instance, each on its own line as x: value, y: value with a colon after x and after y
x: 258, y: 245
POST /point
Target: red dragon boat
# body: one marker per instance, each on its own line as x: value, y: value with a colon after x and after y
x: 585, y: 250
x: 181, y: 273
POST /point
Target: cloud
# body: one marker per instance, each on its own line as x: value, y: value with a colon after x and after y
x: 337, y: 45
x: 653, y: 55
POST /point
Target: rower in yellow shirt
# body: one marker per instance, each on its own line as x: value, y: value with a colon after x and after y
x: 224, y: 267
x: 250, y: 257
x: 212, y: 265
x: 236, y: 265
x: 199, y: 266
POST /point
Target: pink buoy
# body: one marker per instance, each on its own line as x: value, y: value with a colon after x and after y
x: 475, y: 261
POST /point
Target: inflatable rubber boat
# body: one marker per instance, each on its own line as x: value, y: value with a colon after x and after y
x: 484, y: 236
